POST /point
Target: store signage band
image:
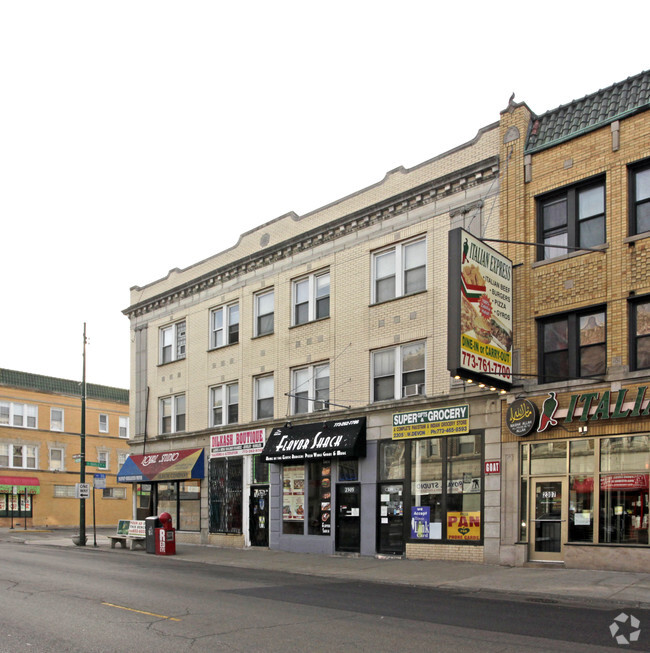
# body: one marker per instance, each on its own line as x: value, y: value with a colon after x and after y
x: 448, y: 420
x: 523, y: 416
x: 237, y: 444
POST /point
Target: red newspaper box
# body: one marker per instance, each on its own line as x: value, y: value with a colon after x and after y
x: 165, y: 536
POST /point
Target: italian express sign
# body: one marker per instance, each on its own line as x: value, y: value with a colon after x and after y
x: 479, y: 334
x: 450, y: 420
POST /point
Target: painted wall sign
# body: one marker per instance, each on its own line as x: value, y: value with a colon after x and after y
x: 479, y: 333
x: 448, y: 420
x: 492, y: 467
x: 521, y: 417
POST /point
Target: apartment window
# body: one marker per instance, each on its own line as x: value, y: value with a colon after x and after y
x: 310, y: 388
x: 172, y: 414
x: 124, y: 426
x: 264, y: 307
x: 573, y: 345
x: 114, y: 493
x: 20, y: 415
x: 224, y: 326
x: 18, y: 456
x: 573, y: 217
x: 640, y: 334
x: 639, y: 193
x: 103, y: 423
x: 224, y: 404
x: 121, y: 458
x: 56, y: 460
x: 398, y: 372
x: 103, y: 459
x: 56, y: 419
x: 264, y: 397
x: 172, y: 343
x: 311, y: 298
x: 399, y: 270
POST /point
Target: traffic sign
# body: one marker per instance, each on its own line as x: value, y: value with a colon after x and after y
x: 77, y: 457
x: 82, y: 491
x: 102, y: 465
x: 100, y: 481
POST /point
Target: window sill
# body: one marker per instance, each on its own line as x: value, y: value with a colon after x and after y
x: 570, y: 255
x: 178, y: 360
x: 630, y: 240
x: 608, y: 545
x: 263, y: 335
x: 230, y: 344
x: 394, y: 299
x: 320, y: 319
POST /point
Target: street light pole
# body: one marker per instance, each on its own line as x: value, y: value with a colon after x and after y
x: 82, y: 471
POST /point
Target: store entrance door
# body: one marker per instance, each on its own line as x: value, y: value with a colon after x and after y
x: 348, y: 517
x: 548, y: 529
x: 391, y: 519
x: 258, y: 516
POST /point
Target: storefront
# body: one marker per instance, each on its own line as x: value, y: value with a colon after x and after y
x: 17, y: 498
x: 321, y: 482
x: 432, y: 472
x: 582, y: 468
x: 167, y: 481
x: 238, y: 489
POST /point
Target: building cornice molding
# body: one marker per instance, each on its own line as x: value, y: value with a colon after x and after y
x: 413, y: 198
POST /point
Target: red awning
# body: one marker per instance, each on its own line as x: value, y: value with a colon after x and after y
x: 8, y: 483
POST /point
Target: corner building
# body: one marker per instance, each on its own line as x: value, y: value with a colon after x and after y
x: 575, y: 429
x: 293, y: 391
x: 40, y: 426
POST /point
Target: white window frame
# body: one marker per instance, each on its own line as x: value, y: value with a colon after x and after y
x: 103, y: 423
x: 399, y: 269
x: 400, y: 389
x: 61, y: 466
x: 22, y: 416
x: 174, y: 402
x: 222, y: 397
x: 258, y: 297
x: 8, y: 452
x: 114, y: 493
x: 261, y: 393
x: 124, y: 427
x: 172, y: 342
x: 104, y: 455
x: 63, y: 492
x: 310, y: 388
x: 305, y: 292
x: 56, y: 424
x: 222, y: 321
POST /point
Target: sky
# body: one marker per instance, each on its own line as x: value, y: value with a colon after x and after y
x: 140, y: 136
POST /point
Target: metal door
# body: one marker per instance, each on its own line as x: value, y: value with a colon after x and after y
x: 391, y: 518
x: 548, y: 531
x: 259, y: 516
x: 348, y: 517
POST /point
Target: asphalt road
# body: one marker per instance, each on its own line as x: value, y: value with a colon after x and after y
x: 86, y: 600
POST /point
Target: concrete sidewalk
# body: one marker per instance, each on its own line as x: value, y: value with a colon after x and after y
x: 607, y: 589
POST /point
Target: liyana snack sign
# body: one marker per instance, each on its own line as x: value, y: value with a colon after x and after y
x: 480, y: 293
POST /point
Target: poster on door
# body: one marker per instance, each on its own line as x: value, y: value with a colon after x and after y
x: 464, y: 526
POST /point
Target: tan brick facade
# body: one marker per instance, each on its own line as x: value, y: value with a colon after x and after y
x: 53, y: 506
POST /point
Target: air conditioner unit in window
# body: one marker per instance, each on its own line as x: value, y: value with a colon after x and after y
x: 320, y: 405
x: 413, y: 389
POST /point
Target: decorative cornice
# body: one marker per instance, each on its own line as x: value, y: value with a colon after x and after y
x: 409, y: 200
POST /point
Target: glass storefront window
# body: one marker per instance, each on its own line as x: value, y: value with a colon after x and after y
x: 189, y: 506
x: 293, y: 500
x: 464, y: 488
x: 581, y: 457
x: 260, y: 470
x: 624, y: 509
x: 548, y: 457
x: 426, y: 482
x: 168, y: 498
x: 391, y: 460
x: 320, y: 497
x: 523, y: 510
x: 524, y: 458
x: 226, y: 489
x: 348, y: 470
x: 624, y: 454
x: 581, y: 507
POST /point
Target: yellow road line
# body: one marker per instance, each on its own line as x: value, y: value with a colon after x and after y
x: 150, y: 614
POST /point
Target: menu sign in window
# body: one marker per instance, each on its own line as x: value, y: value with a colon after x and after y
x: 326, y: 497
x: 293, y: 493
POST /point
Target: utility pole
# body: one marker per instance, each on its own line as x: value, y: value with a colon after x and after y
x: 82, y: 471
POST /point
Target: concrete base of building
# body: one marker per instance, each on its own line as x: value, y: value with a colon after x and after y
x: 607, y: 558
x: 461, y: 553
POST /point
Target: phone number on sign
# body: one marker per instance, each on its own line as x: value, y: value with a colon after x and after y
x: 480, y: 364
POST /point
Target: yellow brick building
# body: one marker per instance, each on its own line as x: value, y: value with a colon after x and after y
x: 576, y: 181
x: 40, y: 426
x: 322, y: 328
